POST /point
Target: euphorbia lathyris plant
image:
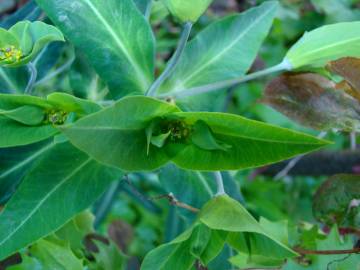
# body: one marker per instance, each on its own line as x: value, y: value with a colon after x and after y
x: 66, y: 150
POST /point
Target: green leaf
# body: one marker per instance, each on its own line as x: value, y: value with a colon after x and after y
x: 16, y: 162
x: 246, y: 261
x: 27, y: 119
x: 73, y: 182
x: 31, y: 38
x: 53, y: 253
x: 322, y: 45
x: 27, y: 115
x: 252, y: 143
x: 116, y: 135
x: 224, y: 50
x: 332, y: 200
x: 174, y: 255
x: 224, y: 213
x: 115, y: 37
x: 16, y: 134
x: 76, y: 229
x: 70, y: 103
x: 108, y: 257
x: 114, y: 138
x: 169, y: 256
x: 200, y: 239
x: 204, y: 139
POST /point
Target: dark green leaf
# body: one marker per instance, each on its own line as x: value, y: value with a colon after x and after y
x: 70, y: 175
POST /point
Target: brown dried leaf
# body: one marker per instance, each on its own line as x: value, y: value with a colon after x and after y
x: 312, y: 100
x: 349, y: 69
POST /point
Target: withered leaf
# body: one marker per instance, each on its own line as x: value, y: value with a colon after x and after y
x: 313, y: 101
x: 349, y: 69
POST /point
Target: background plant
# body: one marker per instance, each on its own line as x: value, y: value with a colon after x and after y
x: 127, y: 118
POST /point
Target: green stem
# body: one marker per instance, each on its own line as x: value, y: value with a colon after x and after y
x: 220, y: 184
x: 56, y: 72
x: 173, y: 61
x: 148, y: 9
x: 32, y: 80
x: 285, y: 65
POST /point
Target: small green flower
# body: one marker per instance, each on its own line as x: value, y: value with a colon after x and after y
x: 10, y: 54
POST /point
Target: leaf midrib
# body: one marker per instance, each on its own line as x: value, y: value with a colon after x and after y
x: 329, y: 46
x: 41, y: 202
x: 121, y: 45
x: 227, y: 48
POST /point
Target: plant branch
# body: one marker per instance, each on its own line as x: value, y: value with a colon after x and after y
x: 173, y: 201
x: 285, y: 65
x: 33, y: 75
x: 294, y: 161
x: 171, y: 65
x: 326, y: 252
x: 220, y: 184
x: 321, y: 163
x: 106, y: 203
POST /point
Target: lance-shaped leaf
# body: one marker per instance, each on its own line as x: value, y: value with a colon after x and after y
x: 224, y: 50
x: 312, y: 100
x: 330, y: 42
x: 248, y: 143
x: 73, y: 182
x: 23, y: 41
x: 119, y: 136
x: 115, y: 37
x: 332, y: 201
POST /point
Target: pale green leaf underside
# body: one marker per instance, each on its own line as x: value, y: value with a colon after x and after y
x: 322, y: 45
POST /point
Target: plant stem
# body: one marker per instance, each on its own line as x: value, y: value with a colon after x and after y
x: 284, y: 65
x: 33, y: 75
x: 220, y: 184
x: 148, y: 9
x: 56, y: 72
x: 171, y: 65
x: 106, y: 202
x: 326, y: 252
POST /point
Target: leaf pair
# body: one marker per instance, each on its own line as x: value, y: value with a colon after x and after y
x: 23, y: 41
x: 222, y: 220
x: 120, y: 136
x: 27, y: 119
x: 315, y: 101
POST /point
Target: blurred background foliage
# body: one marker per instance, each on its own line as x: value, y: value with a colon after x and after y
x: 134, y: 213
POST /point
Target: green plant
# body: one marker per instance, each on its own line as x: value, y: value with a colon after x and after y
x: 67, y: 149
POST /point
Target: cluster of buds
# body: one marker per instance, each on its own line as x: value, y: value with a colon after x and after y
x: 178, y: 130
x: 10, y: 54
x: 56, y: 117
